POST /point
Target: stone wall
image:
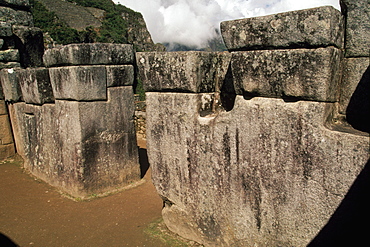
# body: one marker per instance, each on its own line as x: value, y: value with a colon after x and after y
x: 73, y: 120
x: 256, y: 147
x: 20, y: 46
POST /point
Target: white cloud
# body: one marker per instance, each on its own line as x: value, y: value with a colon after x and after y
x: 193, y: 22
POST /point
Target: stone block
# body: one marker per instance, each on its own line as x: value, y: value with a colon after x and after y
x: 10, y: 84
x: 90, y: 54
x: 9, y: 65
x: 83, y: 148
x: 16, y: 17
x: 5, y: 29
x: 36, y: 86
x: 6, y: 151
x: 30, y: 42
x: 10, y: 55
x: 266, y: 173
x: 3, y: 110
x: 316, y: 27
x: 357, y: 14
x: 5, y: 131
x: 23, y: 4
x: 81, y: 83
x: 120, y: 75
x: 182, y: 71
x: 309, y: 74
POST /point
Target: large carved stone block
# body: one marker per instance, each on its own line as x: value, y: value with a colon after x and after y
x: 310, y: 74
x: 83, y: 148
x: 317, y: 27
x: 81, y: 83
x: 90, y: 54
x: 183, y: 71
x: 36, y: 86
x: 266, y: 173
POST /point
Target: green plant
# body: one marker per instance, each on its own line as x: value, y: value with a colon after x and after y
x: 139, y: 89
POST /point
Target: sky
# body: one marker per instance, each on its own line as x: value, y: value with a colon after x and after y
x: 193, y: 22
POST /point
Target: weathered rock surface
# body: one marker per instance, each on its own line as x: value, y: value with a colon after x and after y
x: 24, y: 4
x: 74, y: 15
x: 120, y: 75
x: 309, y: 74
x: 68, y: 146
x: 10, y: 55
x: 16, y: 17
x: 6, y: 138
x: 316, y: 27
x: 5, y: 29
x: 90, y: 54
x: 266, y: 173
x: 81, y: 83
x: 197, y: 72
x: 10, y: 85
x: 36, y: 86
x: 357, y: 14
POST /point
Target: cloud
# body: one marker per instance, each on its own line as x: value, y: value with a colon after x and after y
x: 193, y: 22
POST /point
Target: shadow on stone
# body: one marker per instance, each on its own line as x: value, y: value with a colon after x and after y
x: 144, y: 162
x: 228, y: 93
x: 358, y: 110
x: 348, y: 225
x: 6, y: 241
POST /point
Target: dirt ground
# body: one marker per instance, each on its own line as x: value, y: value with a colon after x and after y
x: 33, y: 213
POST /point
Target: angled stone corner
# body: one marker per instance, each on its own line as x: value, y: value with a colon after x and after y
x: 89, y: 54
x: 82, y: 148
x: 75, y: 128
x: 197, y: 72
x: 120, y: 75
x: 316, y: 27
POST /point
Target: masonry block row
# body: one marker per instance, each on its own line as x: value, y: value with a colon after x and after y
x: 262, y: 146
x: 73, y: 125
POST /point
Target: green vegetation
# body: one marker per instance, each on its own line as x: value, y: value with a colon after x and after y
x: 139, y: 89
x: 113, y: 29
x: 50, y: 23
